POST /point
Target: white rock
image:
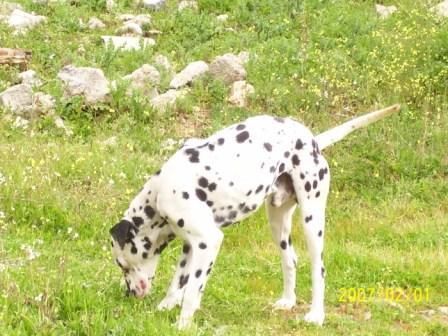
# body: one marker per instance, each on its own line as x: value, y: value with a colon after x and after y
x: 153, y: 4
x: 443, y: 310
x: 163, y: 62
x: 191, y: 72
x: 20, y: 21
x: 18, y: 99
x: 187, y: 4
x: 239, y: 92
x: 244, y: 57
x: 227, y: 68
x: 87, y: 82
x: 130, y: 27
x: 144, y: 79
x: 441, y: 9
x: 20, y: 122
x: 222, y: 17
x: 141, y: 19
x: 60, y: 124
x: 384, y: 11
x: 128, y: 42
x: 43, y: 103
x: 95, y: 23
x: 167, y: 99
x: 110, y: 5
x: 30, y: 77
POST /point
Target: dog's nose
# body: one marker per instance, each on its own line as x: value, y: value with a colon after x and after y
x: 142, y: 284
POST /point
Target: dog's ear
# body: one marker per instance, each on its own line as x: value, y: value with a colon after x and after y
x: 121, y: 232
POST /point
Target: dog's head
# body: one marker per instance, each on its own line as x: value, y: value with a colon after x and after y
x: 136, y: 250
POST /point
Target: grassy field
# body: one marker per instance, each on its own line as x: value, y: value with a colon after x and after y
x: 321, y: 62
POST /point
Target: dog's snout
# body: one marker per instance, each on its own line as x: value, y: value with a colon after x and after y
x: 143, y: 284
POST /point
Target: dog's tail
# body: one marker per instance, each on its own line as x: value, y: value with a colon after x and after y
x: 337, y: 133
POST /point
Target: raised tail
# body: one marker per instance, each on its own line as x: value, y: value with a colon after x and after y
x: 337, y: 133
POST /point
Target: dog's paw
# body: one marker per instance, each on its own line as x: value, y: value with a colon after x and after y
x: 184, y: 323
x: 169, y: 303
x: 284, y: 304
x: 315, y: 317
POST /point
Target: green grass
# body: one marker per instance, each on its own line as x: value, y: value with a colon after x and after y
x: 320, y: 62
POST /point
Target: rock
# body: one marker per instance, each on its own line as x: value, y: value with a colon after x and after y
x: 21, y: 21
x: 384, y: 11
x: 153, y: 4
x: 43, y: 103
x: 187, y: 4
x: 141, y: 19
x: 95, y: 23
x: 441, y: 9
x: 18, y: 99
x: 128, y: 42
x: 227, y: 68
x: 191, y: 72
x: 59, y: 123
x: 443, y: 310
x: 20, y: 122
x: 163, y: 62
x: 244, y: 57
x: 130, y: 27
x: 87, y: 82
x: 222, y: 17
x: 30, y: 77
x: 167, y: 99
x: 144, y: 79
x: 239, y: 92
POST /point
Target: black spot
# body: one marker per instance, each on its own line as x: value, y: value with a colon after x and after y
x: 299, y: 144
x: 219, y: 219
x: 268, y: 146
x: 198, y: 273
x: 211, y: 147
x: 158, y: 172
x: 229, y: 207
x: 241, y: 206
x: 202, y: 246
x: 254, y: 206
x: 203, y: 182
x: 147, y: 244
x: 201, y: 195
x: 318, y: 194
x: 180, y: 223
x: 315, y: 146
x: 212, y: 186
x: 207, y: 167
x: 200, y: 287
x: 259, y: 188
x: 243, y: 136
x: 302, y: 176
x: 183, y: 280
x: 322, y: 271
x: 149, y: 211
x: 249, y: 192
x: 240, y: 127
x: 295, y: 160
x: 138, y: 221
x: 319, y: 233
x: 286, y: 154
x: 308, y: 218
x: 185, y: 195
x: 133, y: 249
x: 160, y: 249
x: 186, y: 248
x: 314, y: 184
x: 281, y: 168
x: 193, y: 154
x: 210, y: 203
x: 278, y: 119
x: 209, y: 270
x: 232, y: 214
x: 267, y: 189
x: 322, y: 173
x: 183, y: 263
x: 220, y: 141
x: 272, y: 169
x: 307, y: 186
x: 145, y: 255
x: 289, y: 240
x: 283, y: 244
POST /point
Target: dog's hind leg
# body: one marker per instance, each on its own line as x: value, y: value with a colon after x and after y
x: 311, y: 182
x: 280, y: 218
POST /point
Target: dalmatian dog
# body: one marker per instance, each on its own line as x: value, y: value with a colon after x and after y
x: 212, y: 183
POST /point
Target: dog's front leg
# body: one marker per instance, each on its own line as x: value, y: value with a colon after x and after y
x: 175, y: 294
x: 204, y: 248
